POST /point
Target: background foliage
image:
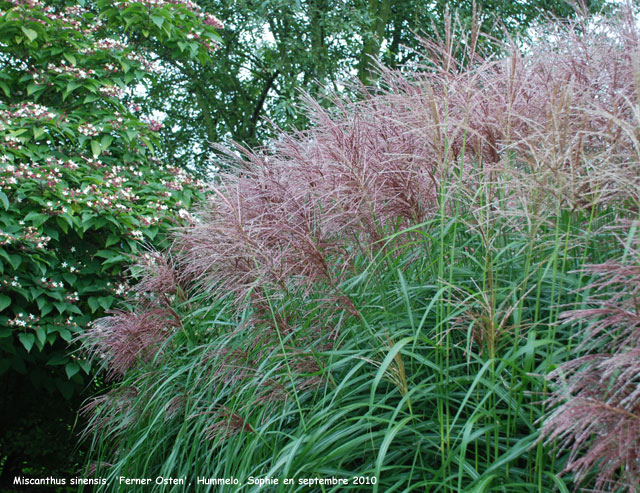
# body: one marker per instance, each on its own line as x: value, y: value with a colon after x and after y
x: 274, y: 50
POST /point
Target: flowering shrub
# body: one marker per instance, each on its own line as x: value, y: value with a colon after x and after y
x: 81, y: 187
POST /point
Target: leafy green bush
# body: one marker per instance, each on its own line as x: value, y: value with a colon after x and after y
x: 82, y: 186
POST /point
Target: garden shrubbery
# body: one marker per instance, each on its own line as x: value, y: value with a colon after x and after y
x: 82, y: 187
x: 390, y: 297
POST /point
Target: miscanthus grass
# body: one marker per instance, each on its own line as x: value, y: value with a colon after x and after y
x: 434, y: 289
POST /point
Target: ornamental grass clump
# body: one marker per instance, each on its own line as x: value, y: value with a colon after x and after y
x: 378, y: 298
x: 597, y: 395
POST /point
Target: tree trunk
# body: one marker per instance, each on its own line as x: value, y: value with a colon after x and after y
x: 380, y: 11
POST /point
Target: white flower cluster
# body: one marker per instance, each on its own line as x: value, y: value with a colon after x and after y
x: 109, y: 44
x: 64, y: 265
x: 112, y: 91
x: 27, y: 110
x: 88, y: 130
x: 150, y: 66
x: 76, y: 72
x: 12, y: 142
x: 22, y: 320
x: 121, y: 289
x: 72, y: 297
x: 52, y: 283
x: 33, y: 4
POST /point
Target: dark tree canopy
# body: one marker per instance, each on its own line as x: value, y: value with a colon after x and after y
x: 273, y: 49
